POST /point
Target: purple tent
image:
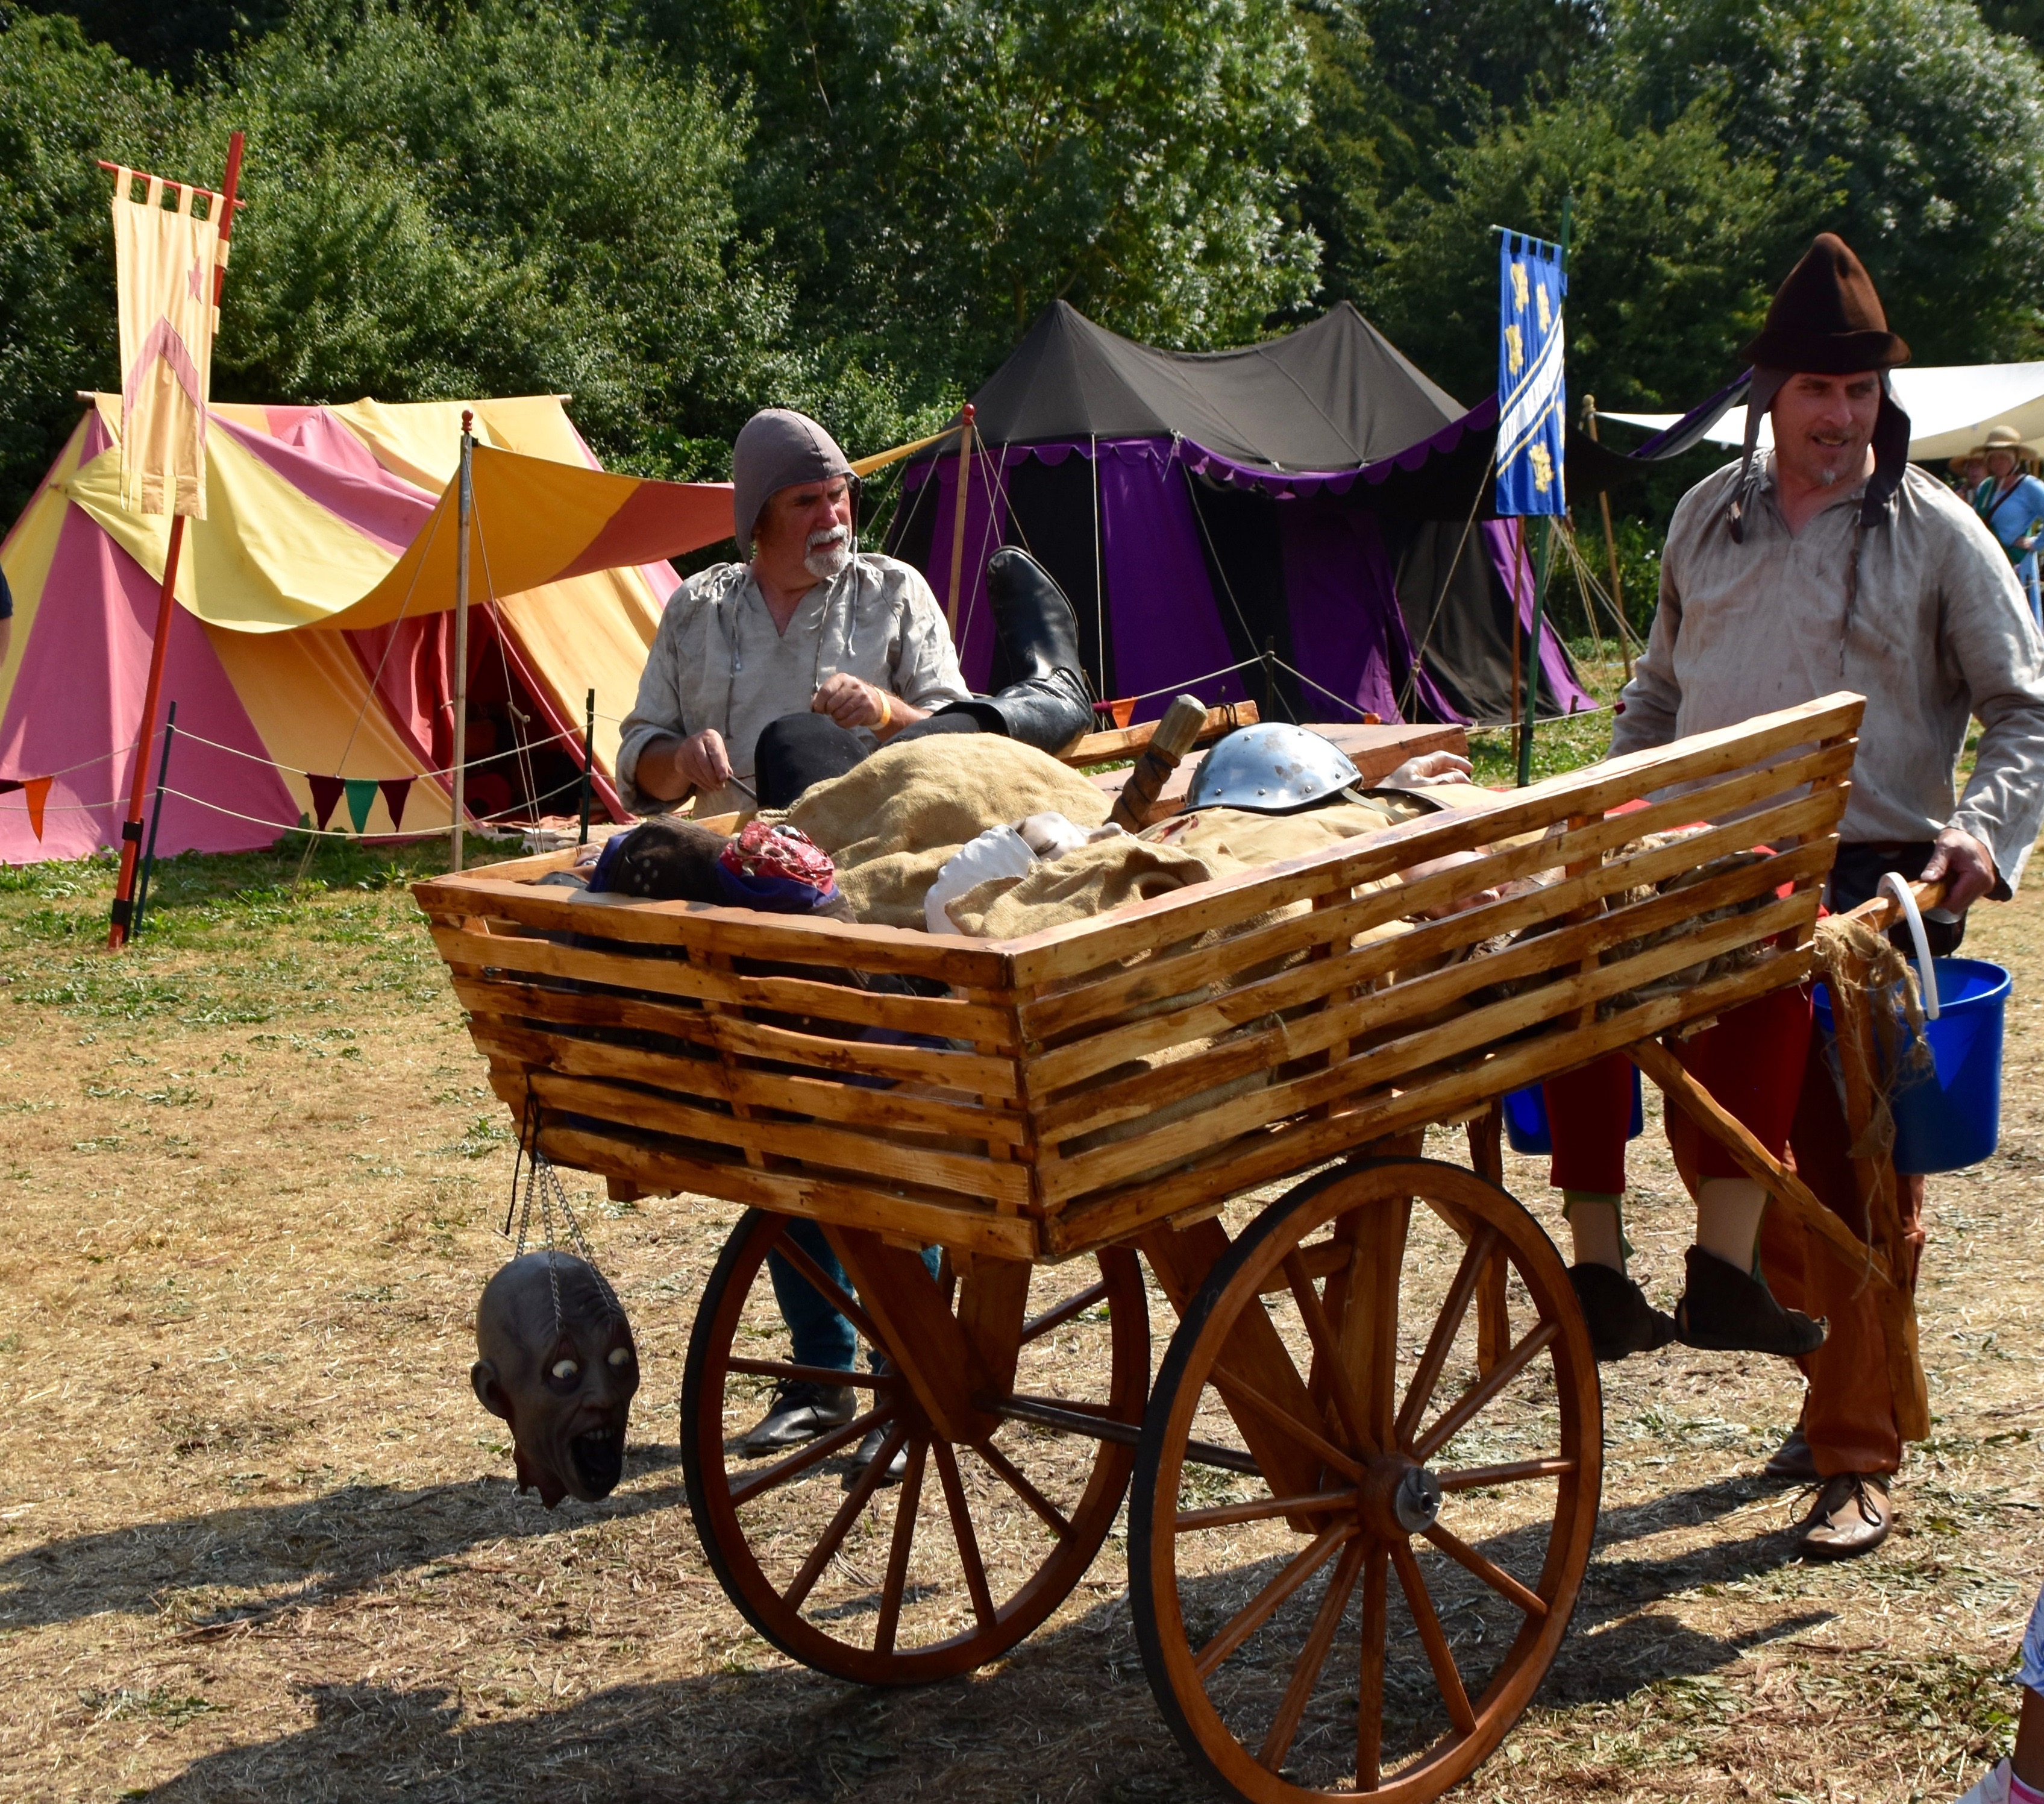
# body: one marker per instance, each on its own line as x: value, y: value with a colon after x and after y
x: 1300, y: 522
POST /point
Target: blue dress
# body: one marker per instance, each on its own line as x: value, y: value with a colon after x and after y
x: 2016, y: 516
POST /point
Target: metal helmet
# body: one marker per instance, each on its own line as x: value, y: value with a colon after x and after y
x: 1272, y: 768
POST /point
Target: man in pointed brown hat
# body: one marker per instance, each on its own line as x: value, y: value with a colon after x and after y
x: 1830, y: 562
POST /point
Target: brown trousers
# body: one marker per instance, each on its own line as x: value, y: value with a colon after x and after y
x: 1849, y: 1415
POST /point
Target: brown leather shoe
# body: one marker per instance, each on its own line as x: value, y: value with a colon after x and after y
x: 1852, y: 1515
x: 1793, y: 1460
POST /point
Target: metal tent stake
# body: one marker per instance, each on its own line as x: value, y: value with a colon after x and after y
x: 464, y: 501
x: 588, y: 765
x: 155, y: 820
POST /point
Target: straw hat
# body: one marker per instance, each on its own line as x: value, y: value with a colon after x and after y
x: 1957, y: 465
x: 2008, y: 439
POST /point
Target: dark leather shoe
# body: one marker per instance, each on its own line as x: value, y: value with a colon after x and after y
x: 868, y: 1450
x: 1852, y: 1515
x: 800, y: 1411
x: 1727, y: 1310
x: 1049, y: 704
x: 1793, y: 1460
x: 1621, y: 1321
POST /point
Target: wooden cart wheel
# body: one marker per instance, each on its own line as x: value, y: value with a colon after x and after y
x: 1353, y: 1549
x: 978, y: 1543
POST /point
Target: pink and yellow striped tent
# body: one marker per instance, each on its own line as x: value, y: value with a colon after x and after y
x: 314, y: 637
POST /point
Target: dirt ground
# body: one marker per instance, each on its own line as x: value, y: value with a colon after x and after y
x: 257, y: 1540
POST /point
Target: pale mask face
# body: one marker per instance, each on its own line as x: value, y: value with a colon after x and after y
x: 564, y: 1382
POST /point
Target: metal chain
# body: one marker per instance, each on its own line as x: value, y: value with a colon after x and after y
x: 541, y: 1175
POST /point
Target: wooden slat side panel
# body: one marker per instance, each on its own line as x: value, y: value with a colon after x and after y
x: 657, y: 1164
x: 1120, y: 987
x: 940, y: 1016
x: 891, y: 1155
x: 1060, y: 1178
x: 1223, y: 1170
x: 823, y: 1099
x: 1049, y: 1072
x: 1065, y: 951
x: 733, y: 933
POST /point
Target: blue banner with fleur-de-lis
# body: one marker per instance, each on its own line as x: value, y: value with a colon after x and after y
x: 1532, y: 400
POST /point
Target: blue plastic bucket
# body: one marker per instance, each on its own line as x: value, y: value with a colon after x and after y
x: 1951, y: 1118
x: 1526, y: 1118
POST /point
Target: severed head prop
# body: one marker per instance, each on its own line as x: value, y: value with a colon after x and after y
x: 555, y: 1358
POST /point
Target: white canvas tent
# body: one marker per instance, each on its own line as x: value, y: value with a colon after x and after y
x: 1949, y: 408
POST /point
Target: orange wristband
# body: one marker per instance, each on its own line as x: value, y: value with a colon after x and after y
x: 887, y: 711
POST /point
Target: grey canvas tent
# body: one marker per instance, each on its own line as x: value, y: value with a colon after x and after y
x: 1314, y: 497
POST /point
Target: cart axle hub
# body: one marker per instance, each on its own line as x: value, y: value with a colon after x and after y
x: 1417, y: 1501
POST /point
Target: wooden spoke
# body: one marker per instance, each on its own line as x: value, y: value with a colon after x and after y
x: 961, y: 1532
x: 1306, y: 1671
x: 897, y: 1553
x: 812, y: 1375
x: 1370, y: 1315
x: 1433, y: 1637
x: 1247, y: 1394
x: 833, y: 1537
x: 800, y: 1460
x: 1326, y: 1349
x: 1517, y: 1472
x: 1370, y: 1690
x: 1494, y: 1575
x: 1053, y: 1518
x: 1038, y: 1326
x: 1254, y: 1614
x: 1264, y: 1510
x: 1447, y: 1325
x: 832, y: 1292
x: 1479, y: 1394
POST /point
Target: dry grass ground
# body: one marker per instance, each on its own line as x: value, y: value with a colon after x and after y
x: 258, y: 1541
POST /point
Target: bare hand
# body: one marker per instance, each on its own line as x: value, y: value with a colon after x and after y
x: 1428, y: 768
x: 2025, y: 545
x: 1964, y: 865
x: 702, y: 762
x: 850, y: 701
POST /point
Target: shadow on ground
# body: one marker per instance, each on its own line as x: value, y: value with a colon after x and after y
x: 779, y: 1735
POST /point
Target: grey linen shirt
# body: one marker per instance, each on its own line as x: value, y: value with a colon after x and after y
x: 1937, y: 631
x: 717, y: 661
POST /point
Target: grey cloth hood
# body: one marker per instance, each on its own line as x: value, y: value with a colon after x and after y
x: 777, y: 448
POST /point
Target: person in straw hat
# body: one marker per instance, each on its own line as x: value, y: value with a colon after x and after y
x: 2011, y: 500
x: 1829, y: 563
x: 1969, y: 471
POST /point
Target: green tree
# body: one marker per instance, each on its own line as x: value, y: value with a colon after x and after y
x: 63, y: 101
x: 1925, y: 128
x: 1672, y: 239
x: 933, y: 172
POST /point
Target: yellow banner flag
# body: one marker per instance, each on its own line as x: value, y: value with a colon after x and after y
x: 166, y: 262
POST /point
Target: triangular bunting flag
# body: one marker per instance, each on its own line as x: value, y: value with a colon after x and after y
x: 327, y: 792
x: 397, y: 792
x: 361, y: 798
x: 1123, y: 711
x: 36, y: 790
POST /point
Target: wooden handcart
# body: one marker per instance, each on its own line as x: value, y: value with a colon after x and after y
x: 1366, y: 1473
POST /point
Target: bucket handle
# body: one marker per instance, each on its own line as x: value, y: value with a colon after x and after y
x: 1895, y: 885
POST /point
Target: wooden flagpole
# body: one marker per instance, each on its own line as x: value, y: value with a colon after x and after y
x: 958, y: 521
x: 465, y: 501
x: 131, y: 828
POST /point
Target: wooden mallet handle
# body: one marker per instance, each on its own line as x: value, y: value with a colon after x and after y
x: 1172, y: 740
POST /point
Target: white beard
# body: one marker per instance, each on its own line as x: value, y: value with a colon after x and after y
x: 827, y: 553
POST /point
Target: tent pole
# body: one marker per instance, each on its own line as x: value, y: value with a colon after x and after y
x: 1519, y: 564
x: 131, y: 828
x: 958, y: 521
x: 465, y: 496
x: 1610, y: 543
x: 1547, y: 558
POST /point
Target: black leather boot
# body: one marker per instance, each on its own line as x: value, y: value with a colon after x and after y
x: 1620, y: 1319
x: 1050, y: 704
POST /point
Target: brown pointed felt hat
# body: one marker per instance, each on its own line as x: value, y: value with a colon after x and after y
x: 1826, y: 318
